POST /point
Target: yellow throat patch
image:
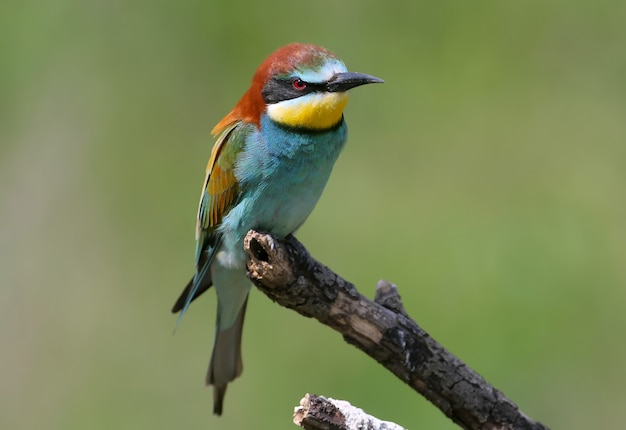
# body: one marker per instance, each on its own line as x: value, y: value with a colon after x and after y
x: 317, y: 111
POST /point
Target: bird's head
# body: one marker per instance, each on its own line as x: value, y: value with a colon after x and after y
x: 300, y: 86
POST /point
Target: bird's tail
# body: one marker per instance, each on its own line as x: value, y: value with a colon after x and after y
x: 226, y: 363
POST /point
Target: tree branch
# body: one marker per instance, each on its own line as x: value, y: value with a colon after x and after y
x: 320, y: 413
x: 288, y: 275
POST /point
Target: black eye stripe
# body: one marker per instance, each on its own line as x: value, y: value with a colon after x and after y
x: 277, y: 90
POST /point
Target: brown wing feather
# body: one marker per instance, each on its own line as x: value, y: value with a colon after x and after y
x: 220, y: 185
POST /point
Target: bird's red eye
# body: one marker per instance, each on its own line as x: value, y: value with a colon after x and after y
x: 299, y: 84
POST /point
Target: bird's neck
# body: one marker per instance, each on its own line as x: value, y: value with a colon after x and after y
x: 290, y: 142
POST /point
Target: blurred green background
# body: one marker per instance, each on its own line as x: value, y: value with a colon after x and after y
x: 486, y: 178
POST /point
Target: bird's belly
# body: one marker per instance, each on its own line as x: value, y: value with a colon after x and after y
x: 287, y: 204
x: 279, y: 206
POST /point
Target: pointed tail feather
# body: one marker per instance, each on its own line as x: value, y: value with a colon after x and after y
x: 205, y: 284
x: 218, y: 395
x: 200, y: 282
x: 226, y: 363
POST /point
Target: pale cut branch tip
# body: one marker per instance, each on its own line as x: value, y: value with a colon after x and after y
x: 321, y: 413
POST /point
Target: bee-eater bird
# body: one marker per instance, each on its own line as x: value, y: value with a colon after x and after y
x: 272, y: 158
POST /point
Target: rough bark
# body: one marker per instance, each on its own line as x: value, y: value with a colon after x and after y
x: 288, y: 275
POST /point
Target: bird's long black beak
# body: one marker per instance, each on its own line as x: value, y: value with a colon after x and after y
x: 344, y: 81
